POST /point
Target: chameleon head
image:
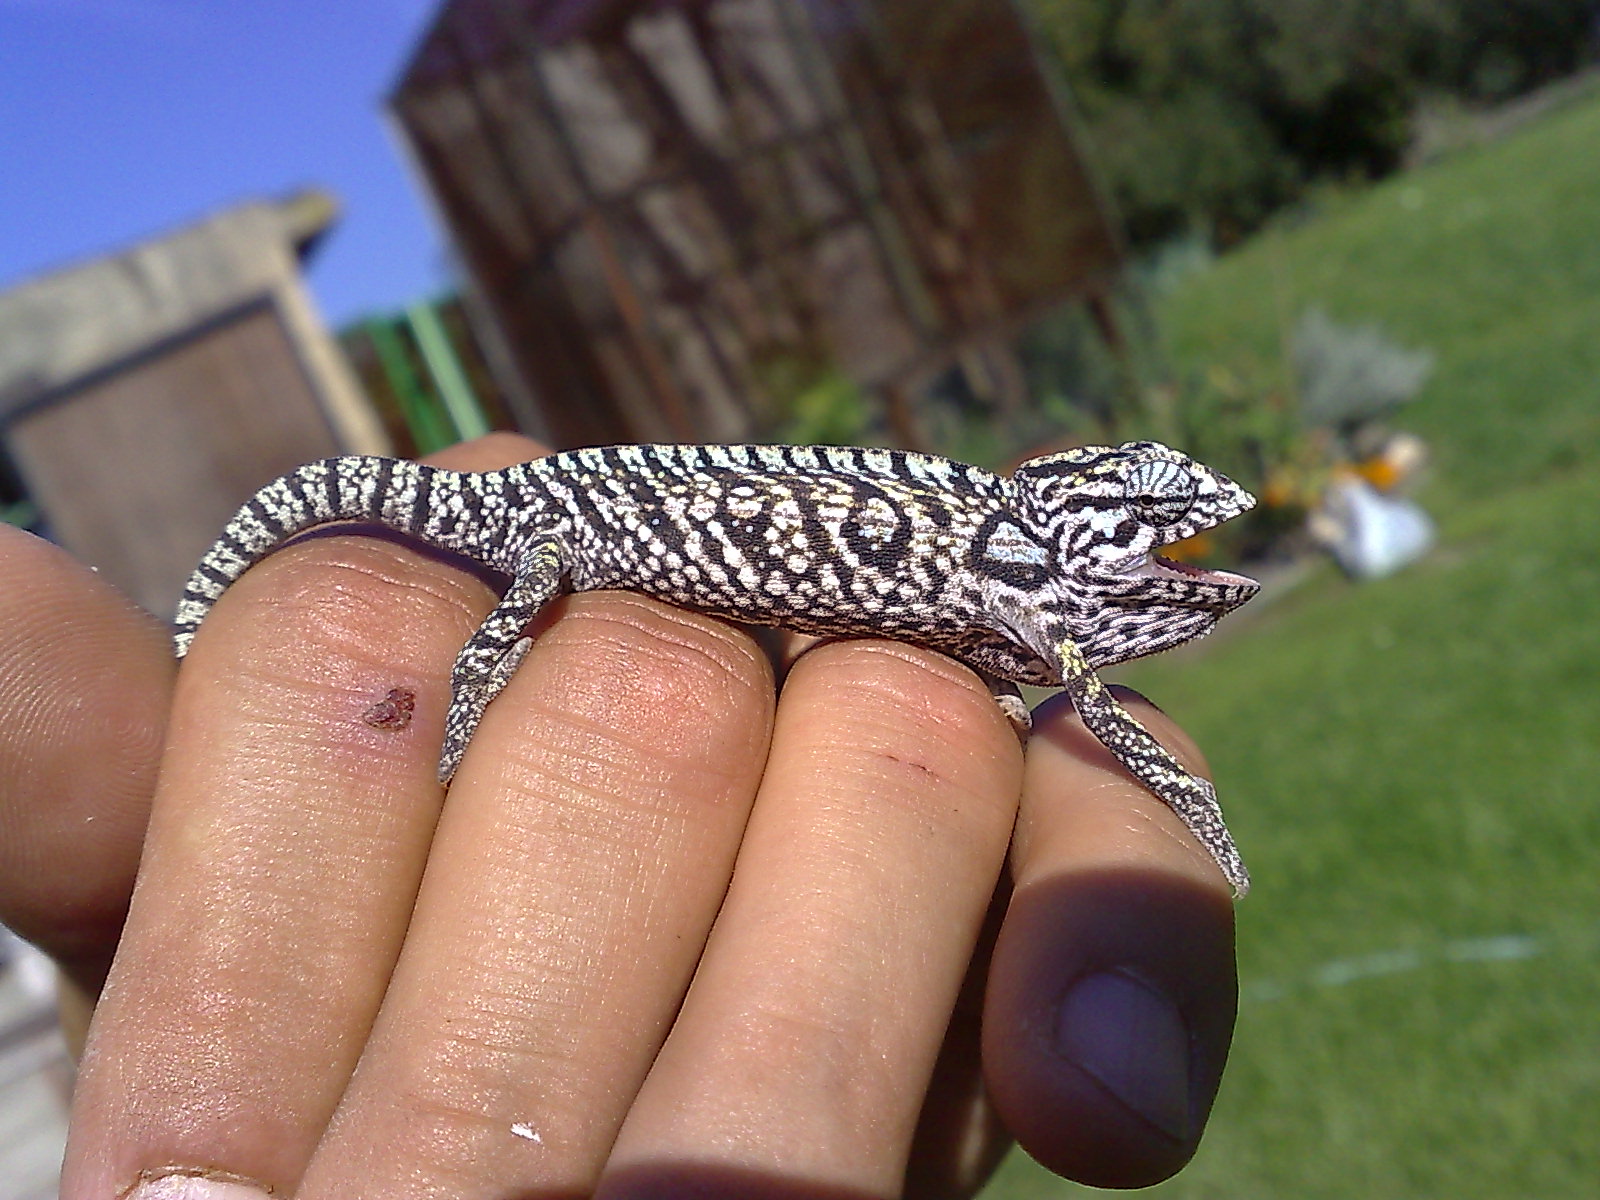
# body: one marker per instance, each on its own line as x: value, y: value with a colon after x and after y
x: 1105, y: 512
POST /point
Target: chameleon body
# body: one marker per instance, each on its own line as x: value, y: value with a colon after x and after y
x: 1038, y: 577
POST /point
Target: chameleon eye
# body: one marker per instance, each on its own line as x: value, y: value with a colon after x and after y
x: 1160, y: 492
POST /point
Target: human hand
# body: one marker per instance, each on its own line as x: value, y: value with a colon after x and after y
x: 664, y: 934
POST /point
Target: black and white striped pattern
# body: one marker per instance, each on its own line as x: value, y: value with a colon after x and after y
x: 1034, y: 578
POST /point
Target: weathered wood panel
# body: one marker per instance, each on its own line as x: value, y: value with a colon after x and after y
x: 138, y: 469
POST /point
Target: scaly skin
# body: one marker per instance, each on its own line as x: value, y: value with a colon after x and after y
x: 1037, y: 578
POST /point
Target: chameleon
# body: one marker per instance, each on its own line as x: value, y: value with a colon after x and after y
x: 1039, y: 577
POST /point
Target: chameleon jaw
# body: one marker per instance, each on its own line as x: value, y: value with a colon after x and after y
x: 1159, y: 566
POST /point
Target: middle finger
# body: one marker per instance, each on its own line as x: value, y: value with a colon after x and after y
x: 804, y: 1048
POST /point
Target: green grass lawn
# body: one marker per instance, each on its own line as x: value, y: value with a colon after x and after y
x: 1413, y: 766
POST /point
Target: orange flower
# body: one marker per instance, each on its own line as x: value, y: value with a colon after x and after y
x: 1380, y: 471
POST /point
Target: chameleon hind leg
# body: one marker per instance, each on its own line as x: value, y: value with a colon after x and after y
x: 493, y: 653
x: 1192, y: 798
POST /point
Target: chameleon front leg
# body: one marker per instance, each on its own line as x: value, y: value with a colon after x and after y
x: 493, y: 653
x: 1012, y: 706
x: 1192, y: 798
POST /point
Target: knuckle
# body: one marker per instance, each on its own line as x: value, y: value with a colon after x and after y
x: 353, y: 601
x: 915, y: 729
x: 638, y: 662
x: 915, y: 691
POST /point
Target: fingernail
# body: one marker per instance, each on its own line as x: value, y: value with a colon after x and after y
x: 195, y: 1187
x: 1132, y: 1040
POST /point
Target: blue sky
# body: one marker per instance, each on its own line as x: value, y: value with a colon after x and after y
x: 120, y: 119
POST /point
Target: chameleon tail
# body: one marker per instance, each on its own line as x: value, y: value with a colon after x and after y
x: 387, y: 491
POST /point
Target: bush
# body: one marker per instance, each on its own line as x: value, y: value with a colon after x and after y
x: 1209, y: 114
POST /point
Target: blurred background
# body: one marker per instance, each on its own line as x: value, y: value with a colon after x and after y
x: 1347, y: 251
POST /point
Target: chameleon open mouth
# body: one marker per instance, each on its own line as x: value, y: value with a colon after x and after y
x: 1158, y: 566
x: 1210, y: 575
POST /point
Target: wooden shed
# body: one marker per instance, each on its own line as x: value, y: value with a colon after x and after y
x: 145, y: 395
x: 676, y: 215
